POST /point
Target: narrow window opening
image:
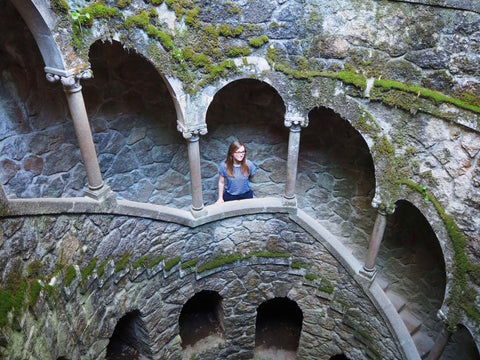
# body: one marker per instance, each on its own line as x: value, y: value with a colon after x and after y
x: 278, y: 329
x: 201, y: 322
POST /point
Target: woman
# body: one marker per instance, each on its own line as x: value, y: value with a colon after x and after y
x: 235, y: 174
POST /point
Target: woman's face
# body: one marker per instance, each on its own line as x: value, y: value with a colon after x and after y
x: 239, y: 154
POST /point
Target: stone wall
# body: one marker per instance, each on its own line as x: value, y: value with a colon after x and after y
x: 392, y: 135
x: 80, y: 313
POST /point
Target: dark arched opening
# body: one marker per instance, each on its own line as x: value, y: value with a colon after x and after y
x: 461, y: 346
x: 129, y: 339
x: 278, y: 328
x: 202, y: 319
x: 339, y: 357
x: 142, y: 156
x: 412, y: 268
x: 253, y: 112
x: 336, y: 178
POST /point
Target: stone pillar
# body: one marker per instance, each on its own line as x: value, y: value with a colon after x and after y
x: 3, y: 197
x: 3, y: 201
x: 192, y: 137
x: 440, y: 343
x: 73, y: 91
x: 292, y: 161
x: 376, y: 238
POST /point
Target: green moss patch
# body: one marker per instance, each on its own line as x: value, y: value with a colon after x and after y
x: 70, y: 275
x: 88, y: 270
x: 219, y: 261
x: 311, y: 277
x: 6, y: 304
x: 123, y: 262
x: 189, y: 264
x: 169, y: 264
x: 259, y: 42
x: 298, y: 265
x: 269, y: 254
x: 154, y: 262
x: 97, y: 10
x: 435, y: 96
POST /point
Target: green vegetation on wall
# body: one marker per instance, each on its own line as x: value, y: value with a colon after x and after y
x: 201, y: 39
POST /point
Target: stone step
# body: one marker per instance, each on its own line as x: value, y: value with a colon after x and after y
x: 423, y: 342
x: 396, y: 300
x: 412, y: 323
x: 383, y: 283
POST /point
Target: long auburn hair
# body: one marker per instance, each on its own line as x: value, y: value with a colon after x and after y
x: 234, y: 146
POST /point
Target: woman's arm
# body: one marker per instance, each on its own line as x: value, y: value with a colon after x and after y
x: 221, y: 186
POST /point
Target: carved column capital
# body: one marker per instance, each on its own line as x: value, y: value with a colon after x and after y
x: 383, y: 208
x: 70, y: 81
x: 294, y: 123
x: 191, y: 134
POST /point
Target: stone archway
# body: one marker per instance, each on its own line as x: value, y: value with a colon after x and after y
x: 278, y: 328
x: 336, y: 179
x: 461, y: 346
x: 129, y: 339
x: 142, y: 155
x: 33, y: 13
x: 201, y: 323
x: 253, y: 112
x: 411, y: 268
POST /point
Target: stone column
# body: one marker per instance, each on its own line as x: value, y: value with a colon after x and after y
x: 192, y: 137
x: 73, y: 91
x: 376, y: 238
x: 292, y: 161
x: 3, y: 201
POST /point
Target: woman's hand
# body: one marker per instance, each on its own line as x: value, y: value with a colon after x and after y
x: 219, y: 201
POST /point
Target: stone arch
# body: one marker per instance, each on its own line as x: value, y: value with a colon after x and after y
x: 40, y: 19
x: 336, y: 176
x: 278, y: 327
x: 357, y: 115
x: 129, y: 338
x: 411, y: 262
x: 461, y: 345
x: 141, y: 154
x: 35, y: 132
x: 201, y: 322
x: 444, y: 242
x: 253, y: 112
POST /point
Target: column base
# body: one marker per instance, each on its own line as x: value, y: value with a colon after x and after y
x: 287, y: 201
x: 369, y: 274
x: 100, y: 194
x: 197, y: 213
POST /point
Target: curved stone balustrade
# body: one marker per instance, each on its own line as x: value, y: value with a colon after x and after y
x: 86, y: 205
